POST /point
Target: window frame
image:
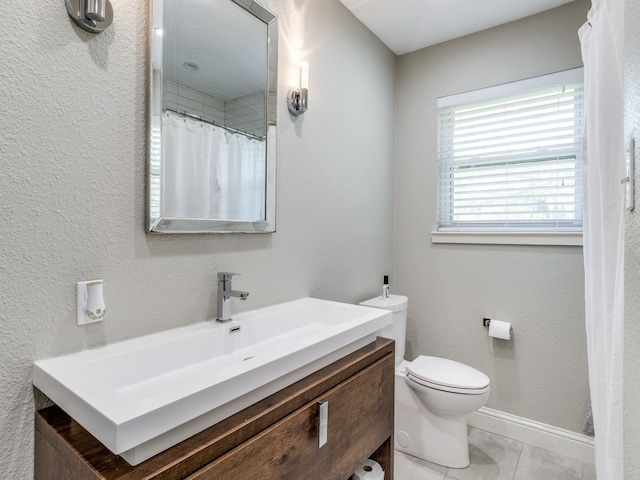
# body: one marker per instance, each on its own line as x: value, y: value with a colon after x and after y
x: 532, y: 234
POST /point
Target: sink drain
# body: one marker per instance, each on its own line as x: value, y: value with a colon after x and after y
x: 248, y: 358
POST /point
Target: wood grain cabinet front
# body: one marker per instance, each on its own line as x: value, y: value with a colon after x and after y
x: 276, y: 438
x: 358, y: 421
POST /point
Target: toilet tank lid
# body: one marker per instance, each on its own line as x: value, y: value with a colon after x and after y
x: 395, y: 303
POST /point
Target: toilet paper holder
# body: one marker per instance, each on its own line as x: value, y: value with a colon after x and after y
x: 486, y: 322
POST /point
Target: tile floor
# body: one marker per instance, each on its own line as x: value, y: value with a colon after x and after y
x: 494, y: 457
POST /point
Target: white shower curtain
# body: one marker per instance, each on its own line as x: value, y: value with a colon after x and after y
x: 602, y: 41
x: 210, y: 173
x: 242, y: 169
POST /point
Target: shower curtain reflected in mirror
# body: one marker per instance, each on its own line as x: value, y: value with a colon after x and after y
x: 210, y: 173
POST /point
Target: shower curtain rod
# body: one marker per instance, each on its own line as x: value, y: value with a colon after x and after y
x: 184, y: 113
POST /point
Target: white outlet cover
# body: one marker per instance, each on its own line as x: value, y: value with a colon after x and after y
x: 81, y: 304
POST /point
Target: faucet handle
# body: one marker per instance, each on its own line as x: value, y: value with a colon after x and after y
x: 226, y: 276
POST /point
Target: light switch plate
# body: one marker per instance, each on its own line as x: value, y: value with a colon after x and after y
x: 629, y: 181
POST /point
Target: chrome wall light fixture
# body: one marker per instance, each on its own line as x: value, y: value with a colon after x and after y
x: 297, y: 100
x: 90, y: 15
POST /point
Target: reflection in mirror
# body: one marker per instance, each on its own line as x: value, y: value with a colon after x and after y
x: 211, y: 165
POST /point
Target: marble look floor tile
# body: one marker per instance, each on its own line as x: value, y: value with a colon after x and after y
x: 588, y: 471
x: 493, y: 457
x: 407, y: 467
x: 537, y: 463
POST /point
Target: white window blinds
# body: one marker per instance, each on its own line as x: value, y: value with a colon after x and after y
x: 155, y: 160
x: 512, y: 162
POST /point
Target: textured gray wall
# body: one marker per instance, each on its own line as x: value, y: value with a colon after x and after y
x: 632, y: 251
x: 542, y: 373
x: 72, y: 164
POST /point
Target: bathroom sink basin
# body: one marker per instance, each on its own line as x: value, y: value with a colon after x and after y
x: 144, y: 395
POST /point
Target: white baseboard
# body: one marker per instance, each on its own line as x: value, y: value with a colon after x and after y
x: 564, y: 442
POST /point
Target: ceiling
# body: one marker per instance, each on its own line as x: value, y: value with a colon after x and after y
x: 408, y: 25
x: 226, y: 42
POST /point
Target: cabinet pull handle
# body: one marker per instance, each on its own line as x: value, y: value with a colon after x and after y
x: 323, y: 422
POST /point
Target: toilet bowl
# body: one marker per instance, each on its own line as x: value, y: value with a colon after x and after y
x: 433, y: 396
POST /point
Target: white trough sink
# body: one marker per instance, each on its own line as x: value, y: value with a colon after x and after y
x: 144, y: 395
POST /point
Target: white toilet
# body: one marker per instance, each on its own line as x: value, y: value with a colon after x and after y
x: 433, y: 397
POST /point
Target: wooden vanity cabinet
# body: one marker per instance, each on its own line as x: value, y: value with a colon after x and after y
x: 276, y: 438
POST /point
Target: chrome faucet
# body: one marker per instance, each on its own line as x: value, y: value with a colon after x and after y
x: 224, y: 296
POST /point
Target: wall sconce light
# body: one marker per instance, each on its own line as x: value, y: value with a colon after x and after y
x: 90, y: 15
x: 298, y: 97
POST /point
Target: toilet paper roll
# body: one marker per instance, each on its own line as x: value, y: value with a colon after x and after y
x: 498, y: 329
x: 369, y: 470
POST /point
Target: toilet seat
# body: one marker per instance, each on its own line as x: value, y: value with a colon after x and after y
x: 447, y: 375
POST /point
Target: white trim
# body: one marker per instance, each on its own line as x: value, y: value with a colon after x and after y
x: 509, y: 238
x: 573, y: 75
x: 559, y: 440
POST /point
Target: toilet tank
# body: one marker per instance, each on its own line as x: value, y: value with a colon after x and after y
x: 398, y: 328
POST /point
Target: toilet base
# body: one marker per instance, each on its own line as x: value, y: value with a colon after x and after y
x: 440, y: 439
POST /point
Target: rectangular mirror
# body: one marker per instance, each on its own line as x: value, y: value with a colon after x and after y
x: 212, y: 117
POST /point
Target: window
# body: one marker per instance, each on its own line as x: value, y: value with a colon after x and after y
x: 510, y: 157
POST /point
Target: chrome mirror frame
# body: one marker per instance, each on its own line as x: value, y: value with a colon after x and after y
x: 156, y: 223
